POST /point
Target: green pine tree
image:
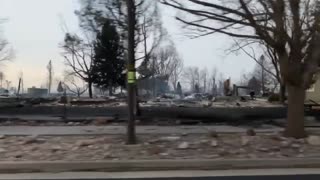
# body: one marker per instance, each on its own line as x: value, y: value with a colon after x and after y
x: 109, y: 63
x: 60, y: 88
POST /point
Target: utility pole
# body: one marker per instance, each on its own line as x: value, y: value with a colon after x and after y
x: 49, y: 67
x: 22, y: 86
x: 19, y: 86
x: 131, y: 71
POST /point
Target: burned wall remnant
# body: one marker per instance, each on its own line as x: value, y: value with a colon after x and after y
x: 37, y: 92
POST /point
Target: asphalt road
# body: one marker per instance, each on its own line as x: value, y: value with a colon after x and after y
x: 281, y: 177
x: 248, y: 174
x: 268, y: 177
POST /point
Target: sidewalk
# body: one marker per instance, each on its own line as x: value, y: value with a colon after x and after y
x: 114, y: 130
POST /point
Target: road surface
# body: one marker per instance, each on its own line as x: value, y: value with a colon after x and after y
x: 300, y: 177
x: 260, y: 174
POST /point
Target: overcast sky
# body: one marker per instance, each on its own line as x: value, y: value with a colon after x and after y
x: 33, y: 28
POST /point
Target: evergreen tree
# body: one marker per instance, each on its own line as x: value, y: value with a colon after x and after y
x: 254, y: 85
x: 109, y: 63
x: 60, y: 88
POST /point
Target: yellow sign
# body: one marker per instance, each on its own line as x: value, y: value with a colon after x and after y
x: 131, y: 77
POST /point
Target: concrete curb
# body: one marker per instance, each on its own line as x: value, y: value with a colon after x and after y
x: 154, y: 165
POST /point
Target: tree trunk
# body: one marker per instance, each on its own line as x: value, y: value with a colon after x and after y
x: 154, y: 87
x: 174, y: 87
x: 137, y: 107
x: 295, y: 116
x: 110, y: 89
x: 131, y: 20
x: 90, y: 89
x: 282, y: 92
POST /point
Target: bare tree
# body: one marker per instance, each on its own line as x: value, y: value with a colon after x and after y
x: 192, y: 77
x: 165, y: 61
x: 268, y: 80
x: 2, y: 77
x: 151, y: 33
x: 244, y: 79
x: 6, y: 52
x: 290, y: 27
x: 212, y: 83
x: 50, y: 75
x: 263, y: 76
x: 269, y: 64
x: 8, y: 83
x: 204, y: 78
x: 220, y: 81
x: 78, y: 56
x: 75, y: 85
x: 177, y: 66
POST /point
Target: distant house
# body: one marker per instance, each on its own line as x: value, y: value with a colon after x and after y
x: 153, y: 85
x: 37, y: 92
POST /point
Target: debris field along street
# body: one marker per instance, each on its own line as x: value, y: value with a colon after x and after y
x: 53, y: 138
x: 150, y: 147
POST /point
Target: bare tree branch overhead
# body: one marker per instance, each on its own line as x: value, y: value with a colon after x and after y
x: 148, y: 27
x: 289, y: 27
